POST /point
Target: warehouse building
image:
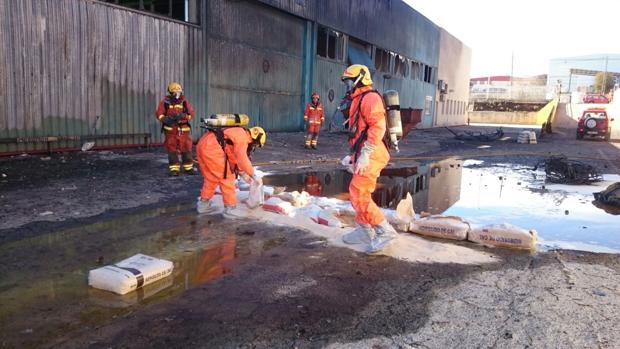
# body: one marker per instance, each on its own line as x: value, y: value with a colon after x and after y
x: 87, y: 69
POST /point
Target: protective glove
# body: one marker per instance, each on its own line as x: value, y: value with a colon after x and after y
x: 168, y: 121
x: 246, y: 178
x: 346, y: 162
x: 257, y: 178
x: 363, y: 160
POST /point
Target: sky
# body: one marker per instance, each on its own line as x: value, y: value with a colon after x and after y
x: 534, y: 30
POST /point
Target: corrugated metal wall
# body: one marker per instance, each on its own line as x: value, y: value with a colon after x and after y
x: 327, y: 75
x: 255, y: 63
x: 388, y: 24
x: 72, y: 61
x: 78, y: 67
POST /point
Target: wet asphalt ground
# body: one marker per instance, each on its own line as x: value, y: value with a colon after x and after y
x: 263, y: 286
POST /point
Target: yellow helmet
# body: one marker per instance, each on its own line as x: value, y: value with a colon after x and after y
x: 258, y: 135
x: 359, y: 73
x: 175, y: 87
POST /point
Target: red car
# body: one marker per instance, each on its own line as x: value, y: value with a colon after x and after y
x: 595, y: 99
x: 594, y: 122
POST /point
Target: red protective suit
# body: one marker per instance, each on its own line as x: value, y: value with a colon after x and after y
x: 312, y: 185
x: 213, y: 164
x: 314, y: 116
x: 372, y: 117
x: 178, y: 136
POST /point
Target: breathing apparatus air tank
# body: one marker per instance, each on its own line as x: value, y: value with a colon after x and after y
x: 394, y: 123
x: 226, y: 120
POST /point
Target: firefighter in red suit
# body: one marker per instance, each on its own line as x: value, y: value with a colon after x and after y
x: 312, y: 184
x: 175, y: 112
x: 314, y: 117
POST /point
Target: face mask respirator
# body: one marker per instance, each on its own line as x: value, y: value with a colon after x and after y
x: 351, y: 84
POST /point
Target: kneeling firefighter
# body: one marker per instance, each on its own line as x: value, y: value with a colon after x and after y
x: 175, y: 112
x: 369, y: 155
x: 223, y: 154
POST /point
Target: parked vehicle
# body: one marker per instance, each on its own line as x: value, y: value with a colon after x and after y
x: 594, y: 122
x: 594, y: 98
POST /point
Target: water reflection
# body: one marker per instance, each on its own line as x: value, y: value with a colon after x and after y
x: 501, y: 193
x: 434, y: 187
x: 43, y: 279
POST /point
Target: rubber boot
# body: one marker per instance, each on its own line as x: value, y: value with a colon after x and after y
x: 363, y: 234
x: 385, y: 235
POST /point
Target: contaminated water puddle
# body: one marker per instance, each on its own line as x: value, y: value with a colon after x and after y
x: 564, y: 216
x: 43, y: 285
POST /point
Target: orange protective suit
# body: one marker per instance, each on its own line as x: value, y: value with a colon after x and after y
x: 314, y: 116
x: 213, y: 167
x: 372, y: 117
x: 215, y: 262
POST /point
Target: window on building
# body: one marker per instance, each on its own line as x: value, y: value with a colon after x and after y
x: 415, y: 70
x: 330, y: 44
x: 182, y: 10
x: 382, y: 60
x: 428, y: 74
x: 428, y: 105
x: 359, y: 52
x: 401, y: 67
x: 420, y: 183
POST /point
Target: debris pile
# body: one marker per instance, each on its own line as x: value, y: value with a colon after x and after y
x: 561, y: 170
x: 478, y: 136
x: 609, y: 196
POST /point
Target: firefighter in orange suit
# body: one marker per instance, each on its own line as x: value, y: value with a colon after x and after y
x: 175, y: 112
x: 369, y: 155
x: 223, y: 153
x: 314, y: 117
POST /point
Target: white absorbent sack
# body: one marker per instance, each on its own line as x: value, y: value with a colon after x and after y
x: 504, y: 235
x: 327, y: 217
x: 256, y: 196
x: 296, y: 198
x: 278, y: 205
x: 130, y: 274
x: 311, y: 212
x: 443, y: 227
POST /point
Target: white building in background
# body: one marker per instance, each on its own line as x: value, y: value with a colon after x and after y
x: 576, y: 74
x: 508, y: 88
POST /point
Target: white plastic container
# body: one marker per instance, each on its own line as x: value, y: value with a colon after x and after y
x: 504, y: 235
x: 443, y: 227
x: 130, y: 274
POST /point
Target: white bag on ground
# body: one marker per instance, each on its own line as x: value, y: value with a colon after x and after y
x: 443, y: 227
x: 504, y: 235
x: 130, y: 274
x: 296, y: 198
x: 404, y: 210
x: 278, y: 205
x: 257, y: 196
x: 326, y: 217
x: 311, y: 211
